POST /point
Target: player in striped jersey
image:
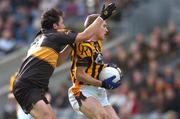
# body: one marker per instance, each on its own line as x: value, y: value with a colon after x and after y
x: 88, y: 94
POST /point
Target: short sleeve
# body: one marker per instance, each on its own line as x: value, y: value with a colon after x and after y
x: 66, y: 37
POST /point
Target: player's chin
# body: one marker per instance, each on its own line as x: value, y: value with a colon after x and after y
x: 102, y: 38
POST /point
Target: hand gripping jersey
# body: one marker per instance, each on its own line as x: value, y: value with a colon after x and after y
x: 89, y: 55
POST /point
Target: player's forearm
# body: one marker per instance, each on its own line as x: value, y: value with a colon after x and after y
x: 87, y: 79
x: 63, y: 55
x: 89, y: 31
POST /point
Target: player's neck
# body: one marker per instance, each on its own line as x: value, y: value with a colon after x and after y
x: 93, y: 38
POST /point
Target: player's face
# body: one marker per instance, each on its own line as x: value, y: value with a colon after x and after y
x: 103, y: 31
x: 60, y: 24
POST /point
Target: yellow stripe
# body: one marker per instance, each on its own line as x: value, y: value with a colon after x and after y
x: 100, y: 43
x: 96, y: 71
x: 12, y: 79
x: 98, y: 66
x: 83, y: 49
x: 47, y: 54
x: 76, y: 86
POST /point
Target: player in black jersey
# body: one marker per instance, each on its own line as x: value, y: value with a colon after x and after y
x: 43, y: 56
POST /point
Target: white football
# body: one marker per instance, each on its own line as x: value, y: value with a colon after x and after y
x: 108, y: 72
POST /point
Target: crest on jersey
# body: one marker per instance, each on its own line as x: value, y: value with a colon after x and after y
x: 99, y: 59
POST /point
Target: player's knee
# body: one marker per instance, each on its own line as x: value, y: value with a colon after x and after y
x: 101, y: 114
x: 105, y: 115
x: 114, y: 117
x: 54, y: 117
x: 48, y: 115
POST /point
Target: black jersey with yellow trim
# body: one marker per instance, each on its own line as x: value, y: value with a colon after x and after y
x: 89, y: 55
x: 42, y: 56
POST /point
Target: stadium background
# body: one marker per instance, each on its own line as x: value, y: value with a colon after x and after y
x: 144, y: 41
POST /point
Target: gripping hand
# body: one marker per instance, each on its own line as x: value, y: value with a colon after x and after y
x: 107, y: 12
x: 109, y: 84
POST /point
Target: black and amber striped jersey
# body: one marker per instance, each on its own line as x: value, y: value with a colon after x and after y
x: 42, y: 56
x: 89, y: 55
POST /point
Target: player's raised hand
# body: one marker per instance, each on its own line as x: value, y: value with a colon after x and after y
x: 107, y: 11
x: 109, y: 84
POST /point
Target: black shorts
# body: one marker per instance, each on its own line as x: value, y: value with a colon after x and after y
x: 27, y: 95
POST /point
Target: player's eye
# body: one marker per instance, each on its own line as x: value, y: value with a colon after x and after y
x: 105, y: 26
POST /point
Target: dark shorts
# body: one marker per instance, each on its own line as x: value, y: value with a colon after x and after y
x: 27, y: 95
x: 80, y: 98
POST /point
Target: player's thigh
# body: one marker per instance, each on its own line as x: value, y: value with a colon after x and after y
x: 41, y: 110
x: 92, y: 109
x: 52, y: 111
x: 111, y: 112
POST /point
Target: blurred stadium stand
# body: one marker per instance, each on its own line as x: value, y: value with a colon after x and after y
x: 155, y: 19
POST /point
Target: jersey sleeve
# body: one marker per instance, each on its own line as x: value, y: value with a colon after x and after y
x: 84, y: 54
x: 65, y: 37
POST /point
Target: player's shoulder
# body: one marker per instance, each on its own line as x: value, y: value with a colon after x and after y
x: 65, y: 31
x: 13, y: 76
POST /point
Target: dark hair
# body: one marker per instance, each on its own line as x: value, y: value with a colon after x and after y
x: 90, y: 19
x: 50, y: 17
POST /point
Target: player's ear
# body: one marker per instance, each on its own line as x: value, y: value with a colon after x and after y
x: 55, y: 26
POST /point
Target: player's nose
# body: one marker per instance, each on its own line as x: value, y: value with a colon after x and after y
x: 107, y: 32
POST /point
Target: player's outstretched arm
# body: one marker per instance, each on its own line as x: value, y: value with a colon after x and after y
x: 96, y: 25
x: 64, y: 54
